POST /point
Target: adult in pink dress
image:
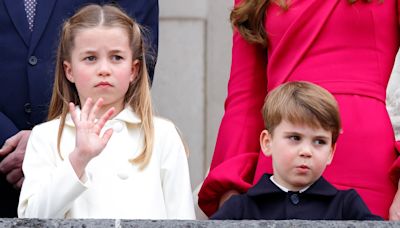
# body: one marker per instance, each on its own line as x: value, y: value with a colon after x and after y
x: 347, y: 48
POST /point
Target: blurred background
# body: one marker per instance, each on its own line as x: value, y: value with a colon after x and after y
x: 190, y: 82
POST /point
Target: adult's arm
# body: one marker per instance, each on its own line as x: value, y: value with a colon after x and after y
x: 12, y: 151
x: 7, y: 127
x: 232, y: 209
x: 237, y: 148
x: 393, y: 107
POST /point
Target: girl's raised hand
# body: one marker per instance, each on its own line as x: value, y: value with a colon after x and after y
x: 89, y: 143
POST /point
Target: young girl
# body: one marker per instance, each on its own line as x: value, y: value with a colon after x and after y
x: 108, y: 157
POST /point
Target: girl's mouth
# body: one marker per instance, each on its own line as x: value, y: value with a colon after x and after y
x: 103, y: 84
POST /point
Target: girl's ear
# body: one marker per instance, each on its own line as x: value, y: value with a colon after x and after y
x: 68, y: 71
x: 265, y: 142
x: 135, y: 69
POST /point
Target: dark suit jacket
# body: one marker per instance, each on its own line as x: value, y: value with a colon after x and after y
x: 27, y: 62
x: 321, y: 201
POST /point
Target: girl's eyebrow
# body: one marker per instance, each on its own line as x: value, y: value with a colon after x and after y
x: 116, y: 51
x: 85, y: 52
x: 91, y: 52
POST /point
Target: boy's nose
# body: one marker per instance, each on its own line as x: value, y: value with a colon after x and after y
x: 305, y: 151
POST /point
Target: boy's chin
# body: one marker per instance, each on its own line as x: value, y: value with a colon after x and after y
x: 298, y: 185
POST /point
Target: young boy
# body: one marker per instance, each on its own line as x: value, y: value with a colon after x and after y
x: 302, y: 126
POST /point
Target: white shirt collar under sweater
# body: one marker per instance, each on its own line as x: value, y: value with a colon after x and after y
x: 285, y: 189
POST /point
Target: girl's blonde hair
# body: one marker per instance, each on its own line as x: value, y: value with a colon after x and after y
x: 138, y: 94
x: 248, y: 18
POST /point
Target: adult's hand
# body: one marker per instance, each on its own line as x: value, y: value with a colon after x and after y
x: 13, y: 152
x: 226, y: 196
x: 394, y: 210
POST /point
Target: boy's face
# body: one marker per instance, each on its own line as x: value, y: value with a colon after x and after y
x: 299, y: 153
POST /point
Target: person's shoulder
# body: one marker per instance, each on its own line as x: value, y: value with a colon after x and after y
x: 354, y: 208
x: 48, y: 125
x: 346, y: 195
x: 167, y: 135
x: 163, y: 125
x: 45, y: 132
x: 348, y: 192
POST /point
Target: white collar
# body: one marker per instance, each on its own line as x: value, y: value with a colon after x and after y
x: 284, y: 188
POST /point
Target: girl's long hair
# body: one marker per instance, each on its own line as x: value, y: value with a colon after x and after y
x: 138, y: 94
x: 248, y: 18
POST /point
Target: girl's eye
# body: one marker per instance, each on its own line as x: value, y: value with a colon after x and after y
x: 90, y: 58
x: 294, y: 137
x: 116, y: 57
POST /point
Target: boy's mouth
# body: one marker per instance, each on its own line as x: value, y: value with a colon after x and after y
x: 303, y: 168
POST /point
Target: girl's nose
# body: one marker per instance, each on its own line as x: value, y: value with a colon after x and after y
x: 104, y: 68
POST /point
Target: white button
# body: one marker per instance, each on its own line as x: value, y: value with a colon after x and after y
x: 123, y: 175
x: 118, y: 126
x: 124, y: 172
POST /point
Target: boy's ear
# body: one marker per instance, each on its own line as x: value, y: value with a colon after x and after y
x: 68, y: 71
x: 265, y: 142
x: 333, y: 149
x: 135, y: 69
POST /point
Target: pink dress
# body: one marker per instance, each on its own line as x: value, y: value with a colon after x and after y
x: 348, y: 49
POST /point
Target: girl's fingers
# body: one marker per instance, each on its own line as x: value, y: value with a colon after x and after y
x: 106, y: 136
x: 103, y: 119
x: 95, y: 108
x: 73, y: 113
x: 86, y: 108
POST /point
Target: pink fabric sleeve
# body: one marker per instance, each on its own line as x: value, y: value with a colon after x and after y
x: 395, y: 170
x: 398, y: 11
x: 237, y: 148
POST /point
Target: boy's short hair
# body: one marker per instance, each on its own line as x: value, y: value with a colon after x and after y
x: 302, y: 103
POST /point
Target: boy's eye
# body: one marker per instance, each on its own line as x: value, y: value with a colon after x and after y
x: 320, y: 142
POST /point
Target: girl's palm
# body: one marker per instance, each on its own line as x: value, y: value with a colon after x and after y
x: 89, y: 143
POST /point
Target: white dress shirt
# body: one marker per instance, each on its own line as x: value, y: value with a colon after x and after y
x: 111, y: 187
